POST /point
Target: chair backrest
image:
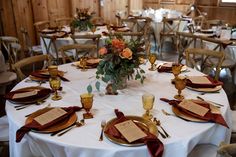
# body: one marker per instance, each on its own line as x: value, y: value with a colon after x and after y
x: 6, y: 42
x: 17, y: 67
x: 92, y: 38
x: 218, y: 44
x: 198, y: 22
x: 170, y: 26
x: 138, y: 24
x: 184, y: 40
x: 202, y: 60
x: 80, y: 50
x: 41, y: 25
x: 63, y: 21
x: 227, y: 150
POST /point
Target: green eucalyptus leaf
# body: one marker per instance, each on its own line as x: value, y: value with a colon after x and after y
x: 97, y: 85
x: 89, y: 88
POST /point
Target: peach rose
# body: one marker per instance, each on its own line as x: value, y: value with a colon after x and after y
x: 126, y: 53
x: 102, y: 51
x: 119, y: 44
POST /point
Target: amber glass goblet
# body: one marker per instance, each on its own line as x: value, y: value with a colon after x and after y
x: 176, y: 69
x: 87, y: 103
x: 93, y: 29
x: 148, y: 101
x: 180, y: 84
x: 152, y: 59
x: 83, y: 62
x: 55, y: 84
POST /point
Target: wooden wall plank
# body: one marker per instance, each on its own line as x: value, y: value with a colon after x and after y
x: 136, y: 5
x: 207, y: 3
x: 20, y: 8
x: 7, y: 18
x: 40, y: 10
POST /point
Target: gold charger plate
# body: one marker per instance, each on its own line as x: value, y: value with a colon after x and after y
x: 141, y: 122
x: 91, y: 63
x: 185, y: 116
x: 217, y: 88
x: 56, y: 127
x: 43, y: 75
x: 42, y: 94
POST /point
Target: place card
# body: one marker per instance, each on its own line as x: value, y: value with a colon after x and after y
x: 193, y: 107
x: 25, y: 94
x: 130, y: 131
x: 49, y: 116
x: 199, y: 80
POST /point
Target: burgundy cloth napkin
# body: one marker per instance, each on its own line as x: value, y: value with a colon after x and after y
x: 209, y: 116
x: 47, y: 76
x: 213, y: 83
x: 154, y: 145
x: 36, y: 126
x: 163, y: 68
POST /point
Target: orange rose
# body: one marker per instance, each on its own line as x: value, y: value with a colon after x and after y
x: 126, y: 53
x: 102, y: 51
x: 119, y: 44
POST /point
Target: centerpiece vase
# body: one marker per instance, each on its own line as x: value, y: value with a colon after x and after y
x: 123, y: 83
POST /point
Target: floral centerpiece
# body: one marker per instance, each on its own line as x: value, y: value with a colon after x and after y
x: 120, y: 61
x: 82, y: 19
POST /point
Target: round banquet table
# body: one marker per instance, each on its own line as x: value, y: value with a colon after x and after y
x: 83, y: 141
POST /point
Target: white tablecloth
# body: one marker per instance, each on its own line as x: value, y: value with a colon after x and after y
x: 83, y: 141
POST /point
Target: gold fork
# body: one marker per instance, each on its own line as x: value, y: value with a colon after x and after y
x: 158, y: 123
x: 103, y: 124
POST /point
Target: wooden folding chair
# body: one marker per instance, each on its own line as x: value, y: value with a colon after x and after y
x: 205, y: 64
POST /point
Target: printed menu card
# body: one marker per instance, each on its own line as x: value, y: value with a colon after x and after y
x: 50, y: 116
x: 130, y: 131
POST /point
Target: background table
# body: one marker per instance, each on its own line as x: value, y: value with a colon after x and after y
x: 84, y: 141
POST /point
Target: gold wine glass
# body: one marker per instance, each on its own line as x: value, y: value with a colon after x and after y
x: 152, y: 59
x: 148, y: 101
x: 55, y: 84
x: 83, y: 62
x: 180, y: 84
x: 87, y: 103
x: 176, y: 69
x: 93, y: 29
